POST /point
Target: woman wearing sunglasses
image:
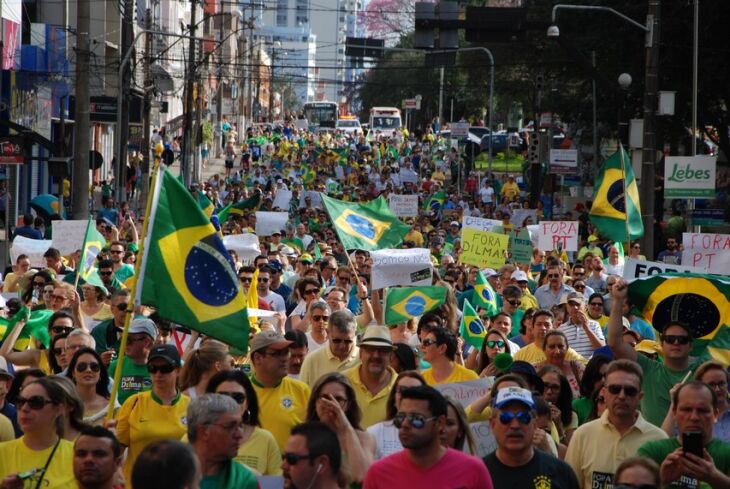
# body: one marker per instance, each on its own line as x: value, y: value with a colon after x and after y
x: 258, y: 450
x: 57, y: 353
x: 494, y: 343
x: 307, y: 292
x: 33, y: 284
x: 439, y: 349
x: 560, y: 398
x: 157, y: 414
x: 333, y: 402
x: 90, y: 376
x: 555, y: 345
x: 40, y: 455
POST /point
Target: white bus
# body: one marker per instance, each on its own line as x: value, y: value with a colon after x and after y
x: 384, y: 120
x: 321, y: 115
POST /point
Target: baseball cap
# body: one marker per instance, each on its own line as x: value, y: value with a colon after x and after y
x: 454, y: 223
x: 489, y: 272
x: 275, y: 265
x: 143, y: 325
x: 5, y: 374
x: 306, y: 258
x: 514, y: 394
x: 527, y: 370
x: 169, y: 353
x: 274, y: 233
x: 573, y: 297
x: 519, y: 276
x: 268, y: 338
x: 376, y: 336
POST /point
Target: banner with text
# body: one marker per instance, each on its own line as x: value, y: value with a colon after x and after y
x: 483, y: 249
x: 558, y: 235
x: 688, y: 177
x: 468, y: 391
x: 520, y: 246
x: 403, y: 205
x: 268, y: 222
x: 245, y: 245
x: 707, y: 250
x: 634, y: 269
x: 401, y: 267
x: 479, y: 223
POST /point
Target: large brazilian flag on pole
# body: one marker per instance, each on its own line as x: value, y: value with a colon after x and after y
x: 371, y: 226
x: 186, y: 272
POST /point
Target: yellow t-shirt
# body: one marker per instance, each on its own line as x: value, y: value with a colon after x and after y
x: 459, y: 374
x: 510, y: 190
x: 261, y: 453
x: 282, y: 407
x: 7, y: 432
x: 534, y: 354
x: 323, y: 361
x: 16, y: 457
x: 414, y: 236
x: 373, y: 407
x: 142, y: 420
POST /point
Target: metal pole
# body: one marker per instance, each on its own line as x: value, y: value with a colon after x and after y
x: 441, y: 97
x: 80, y: 197
x: 145, y: 146
x: 695, y: 61
x: 219, y: 98
x: 595, y: 115
x: 187, y: 146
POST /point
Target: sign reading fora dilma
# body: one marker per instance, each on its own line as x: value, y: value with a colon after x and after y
x: 11, y: 151
x: 689, y: 177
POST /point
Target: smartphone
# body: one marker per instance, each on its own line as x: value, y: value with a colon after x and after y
x: 692, y: 443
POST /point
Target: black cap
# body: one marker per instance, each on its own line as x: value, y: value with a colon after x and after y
x: 167, y: 352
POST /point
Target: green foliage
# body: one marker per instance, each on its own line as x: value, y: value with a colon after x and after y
x: 207, y: 129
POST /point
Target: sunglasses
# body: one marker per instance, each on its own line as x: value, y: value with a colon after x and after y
x: 61, y: 329
x: 311, y: 291
x: 36, y: 403
x: 58, y: 297
x: 245, y: 279
x: 552, y: 387
x: 339, y: 341
x: 163, y: 369
x: 495, y: 343
x: 429, y: 342
x: 674, y: 339
x: 616, y: 389
x: 57, y: 351
x: 294, y: 458
x: 344, y: 279
x: 506, y: 417
x: 239, y: 397
x: 38, y: 284
x: 83, y: 366
x: 417, y: 421
x: 105, y: 274
x: 321, y: 318
x: 515, y: 302
x: 123, y: 306
x: 116, y: 252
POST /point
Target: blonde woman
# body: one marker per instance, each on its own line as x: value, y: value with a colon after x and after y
x: 203, y: 363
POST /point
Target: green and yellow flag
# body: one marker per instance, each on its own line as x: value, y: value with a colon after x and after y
x: 614, y: 210
x: 404, y: 303
x: 471, y: 328
x: 93, y: 244
x: 186, y: 272
x: 370, y: 226
x: 205, y: 204
x: 484, y: 295
x: 436, y: 202
x: 36, y: 325
x: 238, y: 207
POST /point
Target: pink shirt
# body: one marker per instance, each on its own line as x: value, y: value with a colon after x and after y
x: 455, y: 470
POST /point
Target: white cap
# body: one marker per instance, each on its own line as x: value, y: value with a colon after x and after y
x: 514, y: 394
x: 489, y: 272
x: 519, y: 276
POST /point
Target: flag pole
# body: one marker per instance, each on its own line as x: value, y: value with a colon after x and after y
x: 79, y: 266
x: 135, y: 282
x: 626, y: 195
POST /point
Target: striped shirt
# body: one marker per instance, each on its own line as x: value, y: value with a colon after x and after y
x: 578, y: 339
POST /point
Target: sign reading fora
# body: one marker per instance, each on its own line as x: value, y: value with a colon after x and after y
x: 11, y: 151
x: 688, y: 177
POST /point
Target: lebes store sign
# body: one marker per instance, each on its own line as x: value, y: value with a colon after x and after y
x: 688, y: 177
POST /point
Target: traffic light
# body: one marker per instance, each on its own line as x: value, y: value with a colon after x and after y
x: 425, y: 25
x: 445, y: 18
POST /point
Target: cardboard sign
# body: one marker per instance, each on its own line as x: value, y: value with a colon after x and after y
x: 407, y: 175
x: 401, y: 267
x: 483, y: 249
x: 268, y: 222
x: 479, y: 223
x: 68, y: 236
x: 707, y: 250
x: 245, y: 245
x: 519, y: 215
x: 34, y: 248
x: 282, y: 200
x: 483, y: 437
x: 558, y: 235
x: 403, y: 205
x: 520, y: 246
x: 634, y: 269
x: 466, y: 392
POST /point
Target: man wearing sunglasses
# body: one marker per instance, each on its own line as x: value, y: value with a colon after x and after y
x: 338, y: 354
x: 584, y: 335
x: 598, y: 447
x: 122, y: 271
x: 676, y: 340
x: 515, y: 462
x: 550, y: 294
x: 425, y: 462
x: 312, y: 458
x: 108, y: 334
x: 135, y: 374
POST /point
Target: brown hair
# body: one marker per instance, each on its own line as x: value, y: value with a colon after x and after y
x: 201, y: 360
x: 627, y: 366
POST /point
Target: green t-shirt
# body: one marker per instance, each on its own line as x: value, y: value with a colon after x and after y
x: 135, y: 378
x: 233, y: 476
x: 659, y: 449
x: 658, y: 380
x: 516, y: 319
x: 124, y: 272
x: 582, y: 407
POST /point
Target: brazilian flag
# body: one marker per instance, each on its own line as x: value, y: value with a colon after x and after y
x: 205, y: 204
x: 700, y: 301
x: 436, y: 202
x: 370, y: 226
x: 239, y: 207
x: 308, y: 176
x: 471, y: 328
x: 614, y: 210
x: 93, y: 244
x: 402, y: 304
x: 36, y: 325
x: 484, y: 295
x: 186, y: 272
x: 294, y: 243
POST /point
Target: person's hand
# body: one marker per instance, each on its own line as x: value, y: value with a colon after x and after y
x: 362, y: 291
x: 581, y: 319
x: 108, y: 356
x: 11, y: 482
x: 555, y: 414
x: 539, y: 440
x: 490, y: 370
x: 619, y: 291
x: 459, y: 345
x: 671, y: 469
x: 111, y: 425
x: 115, y: 233
x: 671, y: 395
x: 701, y: 468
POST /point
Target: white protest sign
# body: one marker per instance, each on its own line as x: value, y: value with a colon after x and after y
x: 634, y: 269
x: 68, y: 236
x: 403, y: 205
x: 245, y: 245
x: 558, y: 235
x: 534, y: 230
x: 268, y: 222
x: 466, y: 392
x: 479, y: 223
x: 707, y: 250
x: 400, y: 267
x: 282, y: 199
x: 314, y: 196
x: 34, y: 248
x: 483, y: 437
x: 407, y: 175
x: 519, y: 215
x: 563, y: 161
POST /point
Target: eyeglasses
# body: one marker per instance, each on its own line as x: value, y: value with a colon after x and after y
x: 342, y: 401
x: 417, y: 421
x: 320, y: 318
x: 82, y: 366
x: 674, y: 339
x: 339, y: 341
x: 245, y: 279
x: 105, y: 274
x: 515, y: 302
x: 717, y: 385
x: 58, y: 298
x: 629, y: 390
x: 429, y: 342
x: 553, y: 275
x: 61, y: 329
x: 579, y: 287
x: 264, y: 279
x: 36, y: 403
x: 239, y: 397
x: 163, y: 369
x: 311, y: 291
x: 294, y: 458
x: 495, y: 343
x: 123, y: 306
x: 344, y: 279
x: 552, y: 387
x: 116, y: 252
x: 38, y: 284
x: 596, y: 304
x: 506, y: 417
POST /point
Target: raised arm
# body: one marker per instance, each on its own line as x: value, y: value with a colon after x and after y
x: 615, y: 322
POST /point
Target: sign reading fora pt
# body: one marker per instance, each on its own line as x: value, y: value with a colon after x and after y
x: 689, y: 177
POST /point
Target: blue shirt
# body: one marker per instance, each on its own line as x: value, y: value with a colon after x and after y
x: 28, y: 232
x: 110, y: 214
x: 643, y: 328
x: 11, y: 412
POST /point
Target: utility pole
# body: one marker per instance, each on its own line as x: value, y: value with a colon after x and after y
x: 145, y: 146
x: 441, y: 98
x: 80, y: 198
x: 121, y: 133
x: 187, y: 146
x: 271, y: 84
x: 647, y: 193
x: 218, y: 140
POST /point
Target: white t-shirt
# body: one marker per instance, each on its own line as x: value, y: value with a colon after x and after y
x: 313, y: 345
x: 486, y: 194
x: 386, y: 439
x: 275, y: 301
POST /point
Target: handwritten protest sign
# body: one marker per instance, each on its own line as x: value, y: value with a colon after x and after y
x: 268, y: 222
x: 468, y: 391
x: 707, y: 250
x: 479, y: 223
x: 483, y: 249
x: 245, y: 245
x: 520, y: 246
x: 34, y: 248
x: 483, y: 437
x: 403, y: 205
x: 401, y: 267
x: 68, y: 236
x: 282, y: 199
x: 558, y: 235
x: 641, y: 268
